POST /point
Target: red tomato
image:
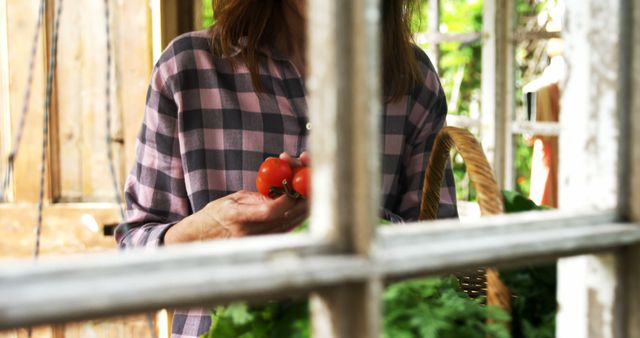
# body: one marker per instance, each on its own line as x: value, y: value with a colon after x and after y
x: 272, y: 174
x: 301, y: 181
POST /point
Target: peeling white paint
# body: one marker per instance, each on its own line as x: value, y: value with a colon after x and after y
x: 589, y: 142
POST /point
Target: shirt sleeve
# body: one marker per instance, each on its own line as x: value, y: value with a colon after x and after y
x: 428, y: 112
x: 155, y: 191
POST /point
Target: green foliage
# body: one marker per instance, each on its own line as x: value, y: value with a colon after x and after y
x: 272, y: 320
x: 534, y: 287
x: 437, y: 308
x: 428, y: 308
x: 207, y: 13
x: 516, y: 202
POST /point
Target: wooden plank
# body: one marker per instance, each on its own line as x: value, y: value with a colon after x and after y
x: 156, y: 28
x: 498, y: 76
x: 629, y: 295
x: 528, y: 36
x: 122, y: 327
x: 197, y: 14
x: 84, y: 166
x: 67, y: 229
x: 96, y: 177
x: 633, y: 114
x: 73, y: 89
x: 536, y: 128
x: 468, y: 37
x: 132, y: 73
x: 463, y: 121
x: 5, y: 117
x: 344, y: 88
x: 252, y: 268
x: 434, y: 27
x: 589, y: 286
x: 53, y: 290
x: 21, y: 21
x: 177, y: 18
x: 444, y: 253
x: 38, y: 332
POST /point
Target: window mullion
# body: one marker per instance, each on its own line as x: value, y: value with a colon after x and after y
x: 590, y: 286
x: 345, y: 112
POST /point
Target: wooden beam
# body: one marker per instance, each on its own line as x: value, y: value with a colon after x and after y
x: 498, y: 84
x: 434, y: 28
x: 345, y: 98
x: 69, y: 288
x: 132, y: 75
x: 463, y: 121
x: 67, y: 228
x: 536, y: 128
x: 440, y: 252
x: 21, y: 21
x: 591, y: 288
x: 437, y: 37
x: 203, y: 273
x: 528, y: 36
x: 177, y: 18
x: 5, y: 117
x: 629, y: 179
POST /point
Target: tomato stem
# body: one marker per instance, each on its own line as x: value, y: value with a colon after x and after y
x: 289, y: 191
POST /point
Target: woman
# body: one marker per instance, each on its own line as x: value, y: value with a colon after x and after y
x: 224, y: 99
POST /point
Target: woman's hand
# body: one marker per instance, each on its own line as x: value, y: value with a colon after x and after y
x: 240, y: 214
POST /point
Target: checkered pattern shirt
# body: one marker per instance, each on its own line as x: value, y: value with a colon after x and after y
x: 206, y: 131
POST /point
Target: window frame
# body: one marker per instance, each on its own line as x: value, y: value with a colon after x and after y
x: 346, y: 258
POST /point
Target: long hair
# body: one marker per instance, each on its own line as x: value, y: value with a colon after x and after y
x: 259, y: 22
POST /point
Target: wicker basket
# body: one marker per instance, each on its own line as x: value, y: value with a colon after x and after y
x: 481, y: 281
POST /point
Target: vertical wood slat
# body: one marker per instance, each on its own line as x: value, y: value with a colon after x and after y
x: 590, y: 286
x: 434, y: 28
x: 345, y: 97
x: 21, y: 20
x: 84, y: 173
x: 629, y: 295
x: 5, y: 118
x: 177, y: 18
x: 498, y: 98
x: 73, y: 90
x: 634, y: 113
x: 132, y: 74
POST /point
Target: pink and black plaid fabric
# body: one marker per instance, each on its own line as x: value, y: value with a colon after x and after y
x: 206, y: 131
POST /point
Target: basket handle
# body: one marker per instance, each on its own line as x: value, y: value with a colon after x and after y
x: 480, y: 173
x: 489, y: 195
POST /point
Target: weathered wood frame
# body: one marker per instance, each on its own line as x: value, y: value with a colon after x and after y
x: 344, y: 260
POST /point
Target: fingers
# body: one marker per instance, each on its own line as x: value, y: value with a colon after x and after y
x: 288, y: 222
x: 303, y: 160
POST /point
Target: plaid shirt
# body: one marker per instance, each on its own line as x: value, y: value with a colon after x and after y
x: 206, y: 131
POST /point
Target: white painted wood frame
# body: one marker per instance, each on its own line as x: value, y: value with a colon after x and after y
x: 598, y: 294
x: 433, y: 31
x: 344, y: 261
x: 498, y: 86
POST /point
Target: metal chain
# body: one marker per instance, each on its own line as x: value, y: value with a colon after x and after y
x: 25, y: 106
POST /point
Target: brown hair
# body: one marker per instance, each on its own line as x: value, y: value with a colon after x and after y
x: 260, y: 22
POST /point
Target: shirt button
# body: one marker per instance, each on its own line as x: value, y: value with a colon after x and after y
x: 308, y: 126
